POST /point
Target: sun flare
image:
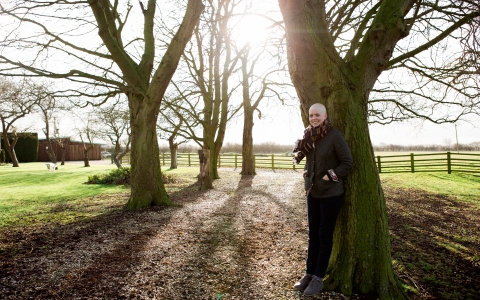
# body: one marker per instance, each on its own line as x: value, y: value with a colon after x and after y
x: 251, y: 29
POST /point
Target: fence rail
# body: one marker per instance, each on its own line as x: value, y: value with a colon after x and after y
x: 432, y: 162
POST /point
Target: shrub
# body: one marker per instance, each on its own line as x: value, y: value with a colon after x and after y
x: 122, y: 176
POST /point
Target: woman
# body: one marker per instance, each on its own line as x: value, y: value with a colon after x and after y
x: 328, y: 161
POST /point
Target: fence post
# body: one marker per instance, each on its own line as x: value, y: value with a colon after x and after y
x: 219, y: 163
x: 189, y: 160
x: 254, y: 161
x: 273, y: 163
x: 449, y: 163
x: 412, y: 162
x: 293, y: 163
x: 163, y: 158
x: 379, y: 162
x: 235, y: 160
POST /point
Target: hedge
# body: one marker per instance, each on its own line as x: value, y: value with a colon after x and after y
x: 26, y: 148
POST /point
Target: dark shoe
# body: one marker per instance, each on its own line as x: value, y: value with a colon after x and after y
x: 303, y: 282
x: 315, y: 286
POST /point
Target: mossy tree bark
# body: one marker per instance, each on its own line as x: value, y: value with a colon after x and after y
x: 146, y: 178
x: 361, y: 260
x: 145, y: 92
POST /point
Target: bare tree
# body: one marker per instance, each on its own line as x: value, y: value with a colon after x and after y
x: 205, y: 81
x: 115, y: 119
x: 16, y: 101
x: 63, y: 142
x: 103, y: 66
x: 257, y: 86
x: 171, y: 123
x: 337, y: 52
x: 47, y: 105
x: 88, y: 131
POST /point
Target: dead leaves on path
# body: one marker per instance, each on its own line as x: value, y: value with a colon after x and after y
x: 246, y: 239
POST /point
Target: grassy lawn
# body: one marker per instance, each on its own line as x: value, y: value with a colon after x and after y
x: 462, y: 186
x: 433, y: 217
x: 30, y: 194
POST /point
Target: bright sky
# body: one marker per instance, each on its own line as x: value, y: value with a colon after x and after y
x: 282, y: 124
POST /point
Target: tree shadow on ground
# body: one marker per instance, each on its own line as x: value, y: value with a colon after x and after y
x: 77, y: 260
x: 435, y: 243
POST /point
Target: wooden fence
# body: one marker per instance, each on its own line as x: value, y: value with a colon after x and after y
x: 270, y: 161
x: 433, y: 162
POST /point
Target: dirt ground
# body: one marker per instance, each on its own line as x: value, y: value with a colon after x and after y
x: 246, y: 239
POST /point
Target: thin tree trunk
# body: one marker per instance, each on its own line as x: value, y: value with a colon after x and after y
x: 173, y: 156
x: 86, y: 162
x: 50, y: 151
x: 13, y: 156
x: 117, y: 160
x: 116, y: 155
x: 248, y: 165
x: 10, y: 148
x: 64, y: 153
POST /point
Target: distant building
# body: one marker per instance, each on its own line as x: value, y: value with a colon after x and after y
x: 74, y: 151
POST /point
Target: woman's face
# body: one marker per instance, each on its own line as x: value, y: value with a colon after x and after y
x: 316, y: 116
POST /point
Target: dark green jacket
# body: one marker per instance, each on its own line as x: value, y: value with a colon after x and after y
x: 330, y: 152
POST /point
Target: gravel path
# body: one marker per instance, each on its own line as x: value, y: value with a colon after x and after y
x: 245, y: 239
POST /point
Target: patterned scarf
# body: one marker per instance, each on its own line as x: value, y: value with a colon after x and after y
x: 310, y: 135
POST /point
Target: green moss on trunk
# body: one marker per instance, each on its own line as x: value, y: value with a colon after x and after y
x: 147, y: 187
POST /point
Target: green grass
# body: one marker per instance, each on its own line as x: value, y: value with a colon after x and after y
x: 30, y: 193
x: 462, y: 186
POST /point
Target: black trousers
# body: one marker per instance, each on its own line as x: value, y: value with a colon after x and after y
x: 322, y: 216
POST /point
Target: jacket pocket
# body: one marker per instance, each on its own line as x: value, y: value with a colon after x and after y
x: 321, y: 186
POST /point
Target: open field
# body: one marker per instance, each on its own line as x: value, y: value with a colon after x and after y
x: 242, y: 240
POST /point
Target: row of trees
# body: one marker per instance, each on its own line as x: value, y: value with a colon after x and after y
x: 28, y: 99
x: 353, y: 56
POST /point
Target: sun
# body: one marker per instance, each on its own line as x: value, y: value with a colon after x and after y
x: 250, y: 29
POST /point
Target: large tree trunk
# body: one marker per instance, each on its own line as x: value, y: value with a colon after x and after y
x: 147, y: 187
x: 361, y: 260
x: 248, y: 165
x: 145, y: 93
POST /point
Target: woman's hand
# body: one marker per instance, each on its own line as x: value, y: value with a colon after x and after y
x: 325, y: 177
